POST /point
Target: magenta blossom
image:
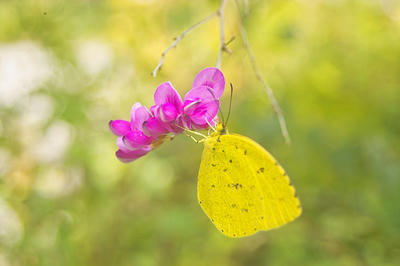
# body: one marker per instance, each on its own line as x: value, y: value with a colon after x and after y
x: 199, y: 108
x: 169, y: 115
x: 131, y: 141
x: 201, y: 103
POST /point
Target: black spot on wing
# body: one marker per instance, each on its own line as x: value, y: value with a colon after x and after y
x: 230, y: 160
x: 237, y: 185
x: 213, y: 164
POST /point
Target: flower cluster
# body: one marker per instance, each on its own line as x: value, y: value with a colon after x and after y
x: 170, y: 115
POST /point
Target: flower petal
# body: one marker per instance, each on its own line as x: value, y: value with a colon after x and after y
x: 201, y: 106
x: 204, y: 114
x: 129, y: 156
x: 139, y: 114
x: 165, y: 93
x: 136, y: 139
x: 119, y: 127
x: 185, y: 122
x: 211, y: 77
x: 168, y: 112
x: 155, y: 110
x: 200, y: 94
x: 124, y: 147
x: 154, y: 127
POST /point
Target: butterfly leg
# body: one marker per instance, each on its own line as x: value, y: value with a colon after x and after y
x: 209, y: 124
x: 193, y: 138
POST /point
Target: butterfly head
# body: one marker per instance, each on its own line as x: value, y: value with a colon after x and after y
x: 220, y: 129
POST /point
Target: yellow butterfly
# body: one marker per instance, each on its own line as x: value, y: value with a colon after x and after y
x: 242, y: 188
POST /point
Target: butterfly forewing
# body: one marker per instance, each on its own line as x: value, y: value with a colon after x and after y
x: 242, y: 188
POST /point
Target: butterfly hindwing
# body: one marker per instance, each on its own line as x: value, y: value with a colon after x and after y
x: 242, y: 188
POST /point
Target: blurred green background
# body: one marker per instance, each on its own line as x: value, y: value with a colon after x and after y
x: 67, y: 67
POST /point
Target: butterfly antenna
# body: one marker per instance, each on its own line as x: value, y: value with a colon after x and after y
x: 219, y: 109
x: 230, y: 106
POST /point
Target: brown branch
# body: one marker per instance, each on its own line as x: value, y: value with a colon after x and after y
x: 222, y: 46
x: 274, y: 102
x: 179, y: 38
x: 246, y: 7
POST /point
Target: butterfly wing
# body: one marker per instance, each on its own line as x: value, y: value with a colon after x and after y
x: 242, y: 188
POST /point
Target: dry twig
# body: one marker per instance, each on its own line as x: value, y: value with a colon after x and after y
x: 178, y: 39
x: 274, y: 102
x: 222, y: 46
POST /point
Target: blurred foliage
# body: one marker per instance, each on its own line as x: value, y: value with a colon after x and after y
x: 68, y: 67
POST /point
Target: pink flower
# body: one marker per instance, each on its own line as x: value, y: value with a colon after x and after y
x: 201, y: 103
x: 119, y: 127
x: 169, y: 115
x: 211, y: 77
x: 129, y: 156
x: 132, y: 142
x: 167, y: 110
x: 197, y: 111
